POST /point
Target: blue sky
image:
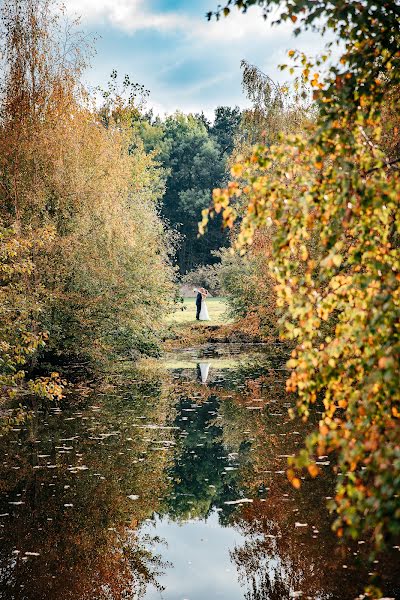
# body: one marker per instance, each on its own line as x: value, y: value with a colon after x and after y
x: 186, y: 62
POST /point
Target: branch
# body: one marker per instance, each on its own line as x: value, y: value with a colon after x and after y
x: 385, y: 166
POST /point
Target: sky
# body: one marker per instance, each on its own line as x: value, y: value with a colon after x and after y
x: 186, y: 62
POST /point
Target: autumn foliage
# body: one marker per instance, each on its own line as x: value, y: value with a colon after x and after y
x: 84, y: 256
x: 330, y: 196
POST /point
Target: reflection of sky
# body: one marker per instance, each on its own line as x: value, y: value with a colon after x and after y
x: 199, y: 553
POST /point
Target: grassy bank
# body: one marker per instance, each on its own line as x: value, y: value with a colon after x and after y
x: 183, y: 330
x: 186, y: 313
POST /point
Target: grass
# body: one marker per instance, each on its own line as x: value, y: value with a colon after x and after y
x: 186, y: 313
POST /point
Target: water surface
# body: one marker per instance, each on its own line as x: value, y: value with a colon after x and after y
x: 169, y: 482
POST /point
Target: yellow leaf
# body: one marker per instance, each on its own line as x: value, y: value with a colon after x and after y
x: 237, y: 170
x: 337, y: 260
x: 313, y: 470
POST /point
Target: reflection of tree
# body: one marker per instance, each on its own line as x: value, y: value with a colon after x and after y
x: 74, y: 473
x: 289, y: 543
x: 217, y: 431
x: 279, y: 558
x: 200, y: 481
x: 223, y: 448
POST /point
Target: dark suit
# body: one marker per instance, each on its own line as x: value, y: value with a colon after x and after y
x: 198, y: 305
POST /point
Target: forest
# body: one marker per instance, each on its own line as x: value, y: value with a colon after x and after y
x: 288, y: 209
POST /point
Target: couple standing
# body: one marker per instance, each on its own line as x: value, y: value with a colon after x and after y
x: 201, y: 306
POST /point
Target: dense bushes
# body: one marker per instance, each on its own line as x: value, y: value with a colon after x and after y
x: 206, y: 276
x: 249, y: 289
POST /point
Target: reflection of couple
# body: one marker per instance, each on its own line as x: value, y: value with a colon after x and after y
x: 202, y: 371
x: 201, y: 306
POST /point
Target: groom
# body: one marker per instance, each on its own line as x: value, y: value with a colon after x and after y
x: 199, y: 298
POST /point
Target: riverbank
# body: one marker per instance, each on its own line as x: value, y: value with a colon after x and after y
x: 187, y: 334
x: 184, y: 331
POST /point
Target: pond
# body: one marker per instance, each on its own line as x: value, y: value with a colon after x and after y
x: 168, y: 482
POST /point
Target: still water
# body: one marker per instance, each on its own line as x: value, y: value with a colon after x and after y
x: 169, y: 483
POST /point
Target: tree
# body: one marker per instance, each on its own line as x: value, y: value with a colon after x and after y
x: 193, y: 153
x: 80, y: 193
x: 225, y: 127
x: 247, y: 281
x: 194, y: 166
x: 335, y: 184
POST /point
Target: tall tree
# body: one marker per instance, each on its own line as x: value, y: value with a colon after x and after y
x: 225, y: 127
x: 194, y: 165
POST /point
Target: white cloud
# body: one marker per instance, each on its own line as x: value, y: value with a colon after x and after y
x: 194, y: 64
x: 131, y: 16
x: 126, y: 15
x: 237, y: 28
x: 204, y: 84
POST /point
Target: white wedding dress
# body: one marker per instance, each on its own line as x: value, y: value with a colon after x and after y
x: 204, y: 368
x: 204, y: 311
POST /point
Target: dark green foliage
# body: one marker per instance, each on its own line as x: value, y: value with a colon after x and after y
x: 226, y: 124
x: 195, y: 168
x: 194, y: 152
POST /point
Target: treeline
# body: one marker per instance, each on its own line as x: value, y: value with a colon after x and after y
x: 84, y: 256
x: 194, y: 155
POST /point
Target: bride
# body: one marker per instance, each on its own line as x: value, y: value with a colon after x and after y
x: 204, y: 310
